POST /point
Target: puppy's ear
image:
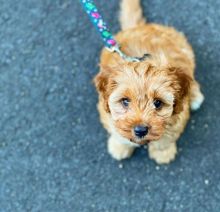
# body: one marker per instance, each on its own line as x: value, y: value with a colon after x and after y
x: 104, y: 82
x: 182, y: 88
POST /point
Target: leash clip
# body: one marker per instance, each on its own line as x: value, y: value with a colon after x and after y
x: 117, y: 49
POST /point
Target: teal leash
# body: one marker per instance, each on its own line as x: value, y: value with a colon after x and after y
x: 108, y: 39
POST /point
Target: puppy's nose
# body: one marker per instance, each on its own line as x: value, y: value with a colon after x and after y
x: 140, y: 131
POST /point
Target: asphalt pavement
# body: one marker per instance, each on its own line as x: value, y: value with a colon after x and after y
x: 53, y: 155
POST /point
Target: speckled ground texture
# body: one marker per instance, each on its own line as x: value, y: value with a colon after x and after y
x: 53, y: 155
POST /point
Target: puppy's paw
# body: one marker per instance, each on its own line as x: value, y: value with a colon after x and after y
x: 197, y: 101
x: 118, y: 150
x: 163, y: 156
x: 197, y: 97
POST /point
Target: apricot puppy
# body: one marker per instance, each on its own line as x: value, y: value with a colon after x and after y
x: 146, y: 102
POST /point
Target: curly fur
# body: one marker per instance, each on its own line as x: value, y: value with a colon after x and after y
x: 168, y: 75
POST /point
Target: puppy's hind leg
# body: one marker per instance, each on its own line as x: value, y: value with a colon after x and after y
x: 196, y: 98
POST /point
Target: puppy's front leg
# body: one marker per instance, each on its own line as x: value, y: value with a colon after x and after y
x: 162, y: 151
x: 119, y: 148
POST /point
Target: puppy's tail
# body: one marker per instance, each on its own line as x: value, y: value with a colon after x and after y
x: 131, y: 14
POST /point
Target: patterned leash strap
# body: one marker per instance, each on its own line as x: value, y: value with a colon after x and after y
x: 110, y: 43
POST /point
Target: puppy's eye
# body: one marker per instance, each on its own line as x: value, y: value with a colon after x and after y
x: 125, y: 102
x: 158, y: 103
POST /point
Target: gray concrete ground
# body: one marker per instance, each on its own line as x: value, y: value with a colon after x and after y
x: 53, y: 154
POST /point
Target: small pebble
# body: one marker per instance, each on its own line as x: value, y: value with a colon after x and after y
x: 120, y: 166
x: 206, y: 182
x: 138, y: 182
x: 75, y: 63
x: 124, y: 180
x: 157, y: 168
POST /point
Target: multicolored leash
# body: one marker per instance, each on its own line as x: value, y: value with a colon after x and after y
x: 110, y: 43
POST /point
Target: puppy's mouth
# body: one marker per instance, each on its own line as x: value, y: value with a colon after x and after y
x: 138, y: 139
x: 140, y: 142
x: 145, y: 140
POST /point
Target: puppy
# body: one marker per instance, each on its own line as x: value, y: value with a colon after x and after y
x: 146, y: 102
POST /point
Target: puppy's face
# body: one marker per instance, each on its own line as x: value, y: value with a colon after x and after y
x: 142, y: 99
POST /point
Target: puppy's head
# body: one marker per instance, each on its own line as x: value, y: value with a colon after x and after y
x: 141, y: 98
